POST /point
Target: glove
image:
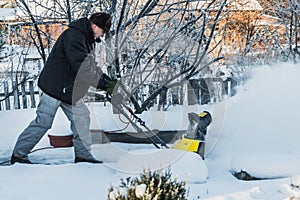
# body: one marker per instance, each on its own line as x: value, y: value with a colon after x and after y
x: 110, y: 85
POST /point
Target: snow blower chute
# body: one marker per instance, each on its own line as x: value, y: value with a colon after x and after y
x: 194, y: 139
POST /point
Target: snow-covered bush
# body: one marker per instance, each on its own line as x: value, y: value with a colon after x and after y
x: 156, y: 185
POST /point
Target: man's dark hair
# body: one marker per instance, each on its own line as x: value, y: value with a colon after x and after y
x: 102, y: 20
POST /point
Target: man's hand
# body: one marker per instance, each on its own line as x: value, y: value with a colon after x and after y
x: 110, y: 85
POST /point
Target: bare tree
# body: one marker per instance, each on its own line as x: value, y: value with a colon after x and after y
x: 45, y: 15
x: 287, y: 13
x: 163, y: 43
x: 151, y: 41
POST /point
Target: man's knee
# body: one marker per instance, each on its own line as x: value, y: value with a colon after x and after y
x: 44, y: 120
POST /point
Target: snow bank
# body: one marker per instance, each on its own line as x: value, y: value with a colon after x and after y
x: 266, y: 165
x: 184, y: 165
x: 48, y: 182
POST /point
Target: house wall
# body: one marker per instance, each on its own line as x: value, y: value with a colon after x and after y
x: 19, y: 33
x: 248, y: 31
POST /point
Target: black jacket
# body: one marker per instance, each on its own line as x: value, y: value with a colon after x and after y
x: 71, y: 68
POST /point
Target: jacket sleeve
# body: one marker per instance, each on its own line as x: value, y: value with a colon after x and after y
x: 82, y: 63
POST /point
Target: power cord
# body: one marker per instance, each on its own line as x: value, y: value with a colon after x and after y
x: 42, y: 148
x: 122, y: 129
x: 39, y: 149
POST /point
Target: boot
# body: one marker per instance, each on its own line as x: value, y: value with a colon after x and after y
x: 19, y: 159
x: 88, y: 160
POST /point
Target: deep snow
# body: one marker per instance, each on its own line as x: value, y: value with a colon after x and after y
x: 256, y: 131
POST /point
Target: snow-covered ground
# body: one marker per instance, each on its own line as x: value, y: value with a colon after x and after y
x: 256, y: 131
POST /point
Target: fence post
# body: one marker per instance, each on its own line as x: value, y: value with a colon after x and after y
x: 24, y: 97
x: 6, y: 93
x: 16, y: 95
x: 229, y: 88
x: 205, y: 95
x: 31, y: 91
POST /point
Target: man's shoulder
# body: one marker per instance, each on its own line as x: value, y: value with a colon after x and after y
x: 79, y: 25
x: 76, y: 31
x: 74, y: 34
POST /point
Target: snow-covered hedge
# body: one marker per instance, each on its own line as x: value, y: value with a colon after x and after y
x: 150, y: 185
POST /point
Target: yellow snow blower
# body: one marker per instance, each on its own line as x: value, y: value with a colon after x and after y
x: 194, y: 139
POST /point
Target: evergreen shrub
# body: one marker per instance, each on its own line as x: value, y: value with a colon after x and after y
x: 156, y: 185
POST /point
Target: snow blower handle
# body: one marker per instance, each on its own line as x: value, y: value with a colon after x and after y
x: 143, y: 124
x: 117, y: 102
x: 116, y: 99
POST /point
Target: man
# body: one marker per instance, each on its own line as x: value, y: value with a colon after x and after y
x: 68, y: 73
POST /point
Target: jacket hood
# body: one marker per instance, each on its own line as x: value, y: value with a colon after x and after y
x: 84, y: 26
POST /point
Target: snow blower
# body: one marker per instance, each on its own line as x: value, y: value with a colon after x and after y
x: 194, y: 139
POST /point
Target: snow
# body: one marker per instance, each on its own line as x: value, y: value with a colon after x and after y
x: 7, y: 14
x: 156, y: 159
x: 259, y: 165
x: 140, y: 190
x: 245, y: 5
x: 256, y: 131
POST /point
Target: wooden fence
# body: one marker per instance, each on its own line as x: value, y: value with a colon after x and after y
x: 210, y: 90
x: 14, y: 95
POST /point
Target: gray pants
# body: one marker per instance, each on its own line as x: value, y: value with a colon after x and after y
x: 77, y: 114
